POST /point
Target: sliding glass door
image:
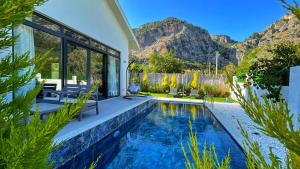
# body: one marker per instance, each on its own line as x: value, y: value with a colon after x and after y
x: 76, y: 64
x: 113, y: 80
x: 97, y: 71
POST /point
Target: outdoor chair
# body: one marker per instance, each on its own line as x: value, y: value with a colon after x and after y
x: 71, y: 92
x: 133, y: 91
x: 194, y: 93
x: 173, y: 92
x: 134, y: 88
x: 92, y: 102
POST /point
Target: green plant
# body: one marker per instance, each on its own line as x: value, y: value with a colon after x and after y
x: 249, y: 59
x: 145, y: 83
x: 293, y: 8
x: 272, y: 73
x: 194, y: 83
x: 156, y: 88
x: 165, y: 83
x: 208, y: 160
x: 25, y: 142
x: 173, y: 81
x: 165, y: 62
x: 275, y: 120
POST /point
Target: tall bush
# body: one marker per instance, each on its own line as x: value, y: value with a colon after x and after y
x: 145, y: 82
x: 194, y: 83
x: 173, y: 81
x: 165, y: 83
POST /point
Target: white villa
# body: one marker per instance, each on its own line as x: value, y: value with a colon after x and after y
x: 89, y: 42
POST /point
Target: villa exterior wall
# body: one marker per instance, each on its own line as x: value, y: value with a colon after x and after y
x: 95, y: 19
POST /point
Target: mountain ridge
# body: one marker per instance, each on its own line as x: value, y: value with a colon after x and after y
x: 195, y: 44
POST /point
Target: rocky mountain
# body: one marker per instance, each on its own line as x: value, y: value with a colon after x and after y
x: 195, y: 44
x: 186, y: 41
x: 286, y: 28
x: 225, y: 39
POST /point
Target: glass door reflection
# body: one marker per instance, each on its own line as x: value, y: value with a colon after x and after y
x: 76, y: 64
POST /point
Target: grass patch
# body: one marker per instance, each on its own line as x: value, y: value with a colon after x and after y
x: 165, y: 95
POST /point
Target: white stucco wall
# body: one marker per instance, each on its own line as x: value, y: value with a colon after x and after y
x: 259, y: 92
x: 294, y: 94
x: 95, y: 19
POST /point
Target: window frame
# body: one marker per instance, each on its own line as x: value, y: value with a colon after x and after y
x: 106, y: 50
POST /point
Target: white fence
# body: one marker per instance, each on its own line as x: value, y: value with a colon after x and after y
x: 290, y: 93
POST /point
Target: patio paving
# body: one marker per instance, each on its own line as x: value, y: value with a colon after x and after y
x: 108, y: 109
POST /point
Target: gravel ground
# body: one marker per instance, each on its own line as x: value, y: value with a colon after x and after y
x: 230, y: 113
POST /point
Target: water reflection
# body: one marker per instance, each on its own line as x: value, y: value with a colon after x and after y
x: 155, y: 143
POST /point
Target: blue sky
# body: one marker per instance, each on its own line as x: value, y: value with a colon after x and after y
x: 237, y: 18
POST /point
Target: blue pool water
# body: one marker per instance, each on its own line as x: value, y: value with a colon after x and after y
x: 153, y: 142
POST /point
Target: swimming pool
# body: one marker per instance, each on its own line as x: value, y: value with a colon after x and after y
x: 153, y: 141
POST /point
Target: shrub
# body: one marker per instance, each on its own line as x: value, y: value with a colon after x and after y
x: 173, y: 81
x: 214, y: 90
x: 272, y: 73
x: 155, y: 88
x: 165, y: 83
x: 201, y: 94
x: 194, y: 83
x: 225, y: 91
x: 145, y: 83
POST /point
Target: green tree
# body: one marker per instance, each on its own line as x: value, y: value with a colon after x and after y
x: 248, y: 60
x: 272, y: 73
x: 165, y: 62
x: 24, y: 143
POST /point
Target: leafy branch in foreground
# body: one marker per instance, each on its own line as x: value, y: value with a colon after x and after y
x: 25, y: 141
x: 209, y: 158
x: 274, y: 120
x: 293, y: 8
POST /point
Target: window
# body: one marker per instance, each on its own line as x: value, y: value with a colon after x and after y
x: 76, y: 64
x: 44, y: 42
x: 113, y: 76
x: 73, y: 57
x: 45, y: 23
x: 36, y: 43
x: 76, y: 36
